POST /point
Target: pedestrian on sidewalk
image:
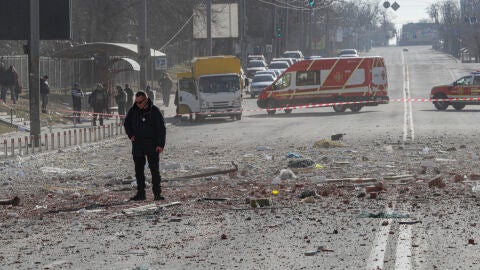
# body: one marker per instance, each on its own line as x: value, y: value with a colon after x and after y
x: 77, y: 96
x: 121, y: 99
x: 145, y: 128
x: 166, y: 84
x: 18, y: 87
x: 151, y: 93
x: 98, y: 100
x: 44, y: 92
x: 10, y: 77
x: 129, y: 93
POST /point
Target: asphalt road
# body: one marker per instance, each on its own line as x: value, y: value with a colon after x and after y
x: 411, y: 74
x: 223, y: 235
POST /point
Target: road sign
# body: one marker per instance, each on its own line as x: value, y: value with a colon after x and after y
x: 268, y: 48
x: 160, y: 63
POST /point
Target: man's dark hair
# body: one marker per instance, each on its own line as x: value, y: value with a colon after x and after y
x: 140, y: 94
x: 45, y: 77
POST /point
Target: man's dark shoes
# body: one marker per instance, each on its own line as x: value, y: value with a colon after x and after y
x: 158, y: 197
x: 139, y: 197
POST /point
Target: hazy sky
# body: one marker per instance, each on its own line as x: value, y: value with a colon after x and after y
x: 410, y: 10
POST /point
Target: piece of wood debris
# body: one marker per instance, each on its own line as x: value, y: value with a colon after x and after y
x: 148, y: 208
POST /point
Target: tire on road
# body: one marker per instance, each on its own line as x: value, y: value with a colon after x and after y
x: 287, y: 111
x: 440, y: 105
x: 340, y: 107
x: 356, y: 107
x: 271, y: 104
x: 458, y: 106
x: 238, y: 116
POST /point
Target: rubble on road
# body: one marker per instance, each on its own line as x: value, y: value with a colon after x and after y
x: 266, y: 192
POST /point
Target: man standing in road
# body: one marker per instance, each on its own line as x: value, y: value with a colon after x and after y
x: 44, y: 92
x: 151, y: 93
x: 121, y: 100
x: 145, y: 128
x: 129, y: 93
x: 98, y: 100
x: 166, y: 88
x: 77, y: 96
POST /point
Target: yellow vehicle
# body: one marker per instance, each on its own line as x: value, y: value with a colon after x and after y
x: 213, y: 88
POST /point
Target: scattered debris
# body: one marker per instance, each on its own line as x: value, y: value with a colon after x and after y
x: 293, y: 155
x: 209, y: 173
x: 397, y: 177
x: 213, y: 199
x: 409, y: 222
x: 337, y: 137
x: 310, y: 199
x: 257, y: 203
x: 148, y: 208
x: 223, y: 237
x: 286, y: 174
x: 263, y: 148
x: 300, y: 163
x: 383, y: 215
x: 319, y: 249
x: 437, y: 181
x: 325, y: 143
x: 471, y: 242
x: 14, y: 202
x: 307, y: 193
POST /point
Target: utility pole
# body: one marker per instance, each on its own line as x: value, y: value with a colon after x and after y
x: 243, y: 23
x: 209, y: 27
x: 142, y: 47
x: 309, y: 45
x: 287, y: 11
x: 34, y: 67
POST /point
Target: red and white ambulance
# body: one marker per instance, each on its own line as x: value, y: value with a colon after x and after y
x: 338, y: 82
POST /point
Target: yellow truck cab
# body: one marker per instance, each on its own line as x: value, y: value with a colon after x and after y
x: 213, y: 88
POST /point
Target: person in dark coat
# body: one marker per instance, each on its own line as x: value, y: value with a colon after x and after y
x: 151, y: 93
x: 98, y: 100
x: 166, y: 84
x: 129, y: 93
x: 145, y: 128
x: 44, y: 92
x: 121, y: 99
x: 77, y: 96
x: 9, y: 80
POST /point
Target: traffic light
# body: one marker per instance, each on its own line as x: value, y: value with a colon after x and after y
x: 279, y: 31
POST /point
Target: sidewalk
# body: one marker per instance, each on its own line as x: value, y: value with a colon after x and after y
x: 65, y: 135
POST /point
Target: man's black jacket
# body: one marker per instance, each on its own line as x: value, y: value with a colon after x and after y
x: 148, y: 127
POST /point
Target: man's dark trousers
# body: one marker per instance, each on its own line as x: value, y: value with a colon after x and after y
x: 153, y: 164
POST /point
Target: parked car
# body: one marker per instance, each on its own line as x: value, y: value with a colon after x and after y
x: 313, y: 57
x: 282, y: 65
x: 348, y: 53
x: 259, y: 82
x: 268, y: 71
x: 290, y: 61
x: 255, y: 57
x: 466, y: 87
x: 254, y: 66
x: 293, y: 54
